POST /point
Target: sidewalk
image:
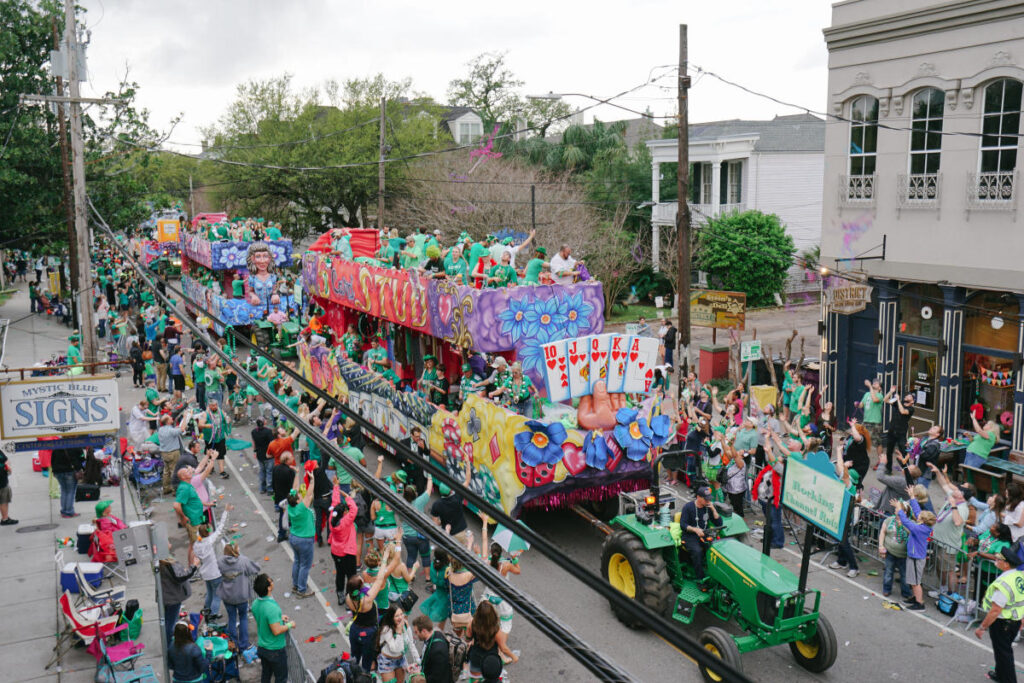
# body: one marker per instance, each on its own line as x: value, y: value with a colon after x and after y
x: 29, y: 572
x: 30, y: 581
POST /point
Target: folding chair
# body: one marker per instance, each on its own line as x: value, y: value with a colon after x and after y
x: 97, y: 596
x: 86, y: 625
x: 115, y: 658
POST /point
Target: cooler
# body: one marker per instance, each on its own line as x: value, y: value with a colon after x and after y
x: 93, y: 572
x: 84, y: 538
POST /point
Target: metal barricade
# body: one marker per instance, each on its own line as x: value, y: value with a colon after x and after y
x: 298, y: 672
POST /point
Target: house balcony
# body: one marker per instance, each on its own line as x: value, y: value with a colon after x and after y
x: 919, y: 190
x: 992, y: 191
x: 857, y: 190
x: 665, y: 213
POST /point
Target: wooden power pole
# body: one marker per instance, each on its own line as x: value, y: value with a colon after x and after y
x: 380, y: 167
x: 69, y: 206
x: 683, y: 217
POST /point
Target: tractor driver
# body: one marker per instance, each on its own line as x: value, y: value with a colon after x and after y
x: 695, y: 519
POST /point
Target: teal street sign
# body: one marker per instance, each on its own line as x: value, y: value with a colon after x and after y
x: 812, y: 490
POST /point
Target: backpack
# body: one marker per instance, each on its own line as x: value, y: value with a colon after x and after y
x: 363, y: 518
x: 458, y: 653
x: 723, y: 475
x: 353, y: 672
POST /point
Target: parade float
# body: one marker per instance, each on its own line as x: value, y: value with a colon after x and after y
x: 241, y: 283
x: 158, y: 245
x: 554, y: 459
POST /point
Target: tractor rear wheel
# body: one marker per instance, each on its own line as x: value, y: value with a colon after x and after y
x: 718, y: 642
x: 637, y: 572
x: 817, y: 653
x: 261, y: 337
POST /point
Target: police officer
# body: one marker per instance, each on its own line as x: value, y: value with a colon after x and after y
x: 1004, y: 605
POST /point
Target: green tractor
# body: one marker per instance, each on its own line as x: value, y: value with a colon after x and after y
x: 741, y: 585
x: 277, y: 340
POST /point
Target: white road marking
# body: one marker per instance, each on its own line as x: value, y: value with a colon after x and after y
x: 953, y: 630
x: 332, y: 616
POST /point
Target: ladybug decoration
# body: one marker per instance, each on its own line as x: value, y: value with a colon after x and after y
x: 533, y: 477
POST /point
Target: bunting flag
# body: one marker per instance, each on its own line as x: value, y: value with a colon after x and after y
x: 996, y: 378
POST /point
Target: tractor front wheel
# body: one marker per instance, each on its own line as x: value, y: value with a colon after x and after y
x: 638, y: 573
x: 817, y: 653
x: 718, y: 642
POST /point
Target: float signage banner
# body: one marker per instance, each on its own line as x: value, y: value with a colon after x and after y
x: 812, y: 490
x: 62, y: 407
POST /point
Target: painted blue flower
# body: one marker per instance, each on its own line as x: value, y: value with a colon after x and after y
x: 532, y: 357
x: 577, y: 314
x: 540, y: 443
x: 633, y: 434
x: 596, y: 449
x: 543, y: 319
x: 513, y: 319
x: 661, y: 427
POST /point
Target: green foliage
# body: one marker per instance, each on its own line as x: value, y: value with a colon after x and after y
x: 32, y: 210
x: 490, y: 88
x: 648, y: 284
x: 746, y: 252
x: 272, y: 124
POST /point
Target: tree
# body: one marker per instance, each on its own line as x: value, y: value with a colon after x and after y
x: 271, y: 128
x: 612, y: 256
x: 747, y: 252
x: 490, y: 88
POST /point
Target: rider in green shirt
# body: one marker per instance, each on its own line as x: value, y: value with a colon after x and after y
x: 535, y: 265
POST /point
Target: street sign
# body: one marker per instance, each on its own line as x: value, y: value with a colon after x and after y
x: 750, y: 351
x: 847, y: 299
x: 60, y: 407
x: 96, y: 441
x: 721, y: 310
x: 812, y: 490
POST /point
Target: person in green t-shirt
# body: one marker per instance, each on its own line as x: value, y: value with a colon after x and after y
x: 981, y: 445
x: 503, y: 274
x: 871, y: 405
x: 189, y: 507
x: 199, y: 380
x: 302, y: 528
x: 153, y: 397
x: 476, y: 252
x: 271, y: 631
x: 456, y: 267
x: 273, y: 232
x: 377, y: 357
x: 238, y: 287
x: 535, y: 266
x: 351, y: 341
x: 353, y: 454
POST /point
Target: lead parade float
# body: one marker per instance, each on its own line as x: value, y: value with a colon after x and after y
x: 562, y: 455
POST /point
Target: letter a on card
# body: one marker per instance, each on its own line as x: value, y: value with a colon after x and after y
x: 556, y: 371
x: 640, y: 360
x: 579, y: 367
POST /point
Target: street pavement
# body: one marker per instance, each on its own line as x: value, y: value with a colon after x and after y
x: 874, y: 643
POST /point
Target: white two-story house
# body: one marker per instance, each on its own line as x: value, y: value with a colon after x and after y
x: 921, y: 201
x: 772, y: 166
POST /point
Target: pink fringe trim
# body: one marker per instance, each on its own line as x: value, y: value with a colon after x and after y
x: 556, y: 501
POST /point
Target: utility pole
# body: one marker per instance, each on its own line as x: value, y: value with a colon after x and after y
x: 84, y: 292
x: 192, y: 206
x: 69, y: 207
x: 533, y: 207
x: 380, y: 168
x: 683, y: 217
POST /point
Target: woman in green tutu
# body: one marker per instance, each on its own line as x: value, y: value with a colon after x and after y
x: 438, y: 607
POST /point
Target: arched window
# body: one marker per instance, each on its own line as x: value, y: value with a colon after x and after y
x: 863, y: 135
x: 1000, y: 127
x: 863, y: 148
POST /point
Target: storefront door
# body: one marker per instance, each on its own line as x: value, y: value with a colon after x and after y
x: 921, y: 378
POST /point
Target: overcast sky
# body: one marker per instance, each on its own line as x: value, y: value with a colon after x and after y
x: 189, y: 55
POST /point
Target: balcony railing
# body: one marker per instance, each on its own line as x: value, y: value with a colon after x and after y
x: 665, y: 213
x: 994, y: 191
x: 919, y: 190
x: 857, y: 190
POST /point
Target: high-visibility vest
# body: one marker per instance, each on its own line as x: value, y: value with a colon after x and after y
x: 1011, y: 583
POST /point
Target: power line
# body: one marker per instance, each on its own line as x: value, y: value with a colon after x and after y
x: 332, y: 167
x: 531, y: 610
x: 287, y: 143
x: 838, y: 117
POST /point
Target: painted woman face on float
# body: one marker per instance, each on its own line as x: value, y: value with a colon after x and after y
x: 261, y: 259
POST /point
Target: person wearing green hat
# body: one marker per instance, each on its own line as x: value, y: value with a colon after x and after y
x: 535, y: 265
x: 476, y: 252
x: 102, y: 549
x: 512, y: 249
x: 467, y: 383
x: 430, y: 381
